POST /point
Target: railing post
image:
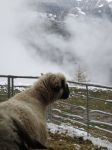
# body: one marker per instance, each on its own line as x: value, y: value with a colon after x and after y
x: 8, y: 86
x: 50, y: 112
x: 12, y: 86
x: 87, y: 108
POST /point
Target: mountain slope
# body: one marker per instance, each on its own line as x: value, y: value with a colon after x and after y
x: 77, y: 7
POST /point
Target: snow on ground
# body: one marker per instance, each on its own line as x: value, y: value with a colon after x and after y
x: 73, y: 132
x: 99, y: 111
x: 109, y: 100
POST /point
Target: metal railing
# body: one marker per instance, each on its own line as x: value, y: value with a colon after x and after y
x: 82, y: 92
x: 10, y: 79
x: 87, y: 96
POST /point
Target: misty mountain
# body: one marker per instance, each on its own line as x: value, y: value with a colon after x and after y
x: 73, y: 33
x: 57, y: 11
x: 60, y: 9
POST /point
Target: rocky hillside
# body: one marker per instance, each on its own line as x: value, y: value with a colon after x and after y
x: 59, y: 9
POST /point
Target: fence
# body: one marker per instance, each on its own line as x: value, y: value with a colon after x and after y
x: 10, y: 83
x: 88, y: 108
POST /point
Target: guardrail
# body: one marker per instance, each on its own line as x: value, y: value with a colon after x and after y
x: 10, y: 82
x: 89, y: 118
x: 92, y: 117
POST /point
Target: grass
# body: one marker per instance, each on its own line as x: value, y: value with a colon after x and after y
x: 93, y: 103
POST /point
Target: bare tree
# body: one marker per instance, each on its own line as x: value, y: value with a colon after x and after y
x: 81, y: 75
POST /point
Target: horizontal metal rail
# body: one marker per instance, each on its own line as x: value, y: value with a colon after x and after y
x: 24, y: 77
x: 90, y: 85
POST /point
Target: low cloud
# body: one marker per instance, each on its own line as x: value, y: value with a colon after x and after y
x: 36, y: 44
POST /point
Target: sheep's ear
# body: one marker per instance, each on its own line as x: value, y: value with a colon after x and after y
x: 25, y: 137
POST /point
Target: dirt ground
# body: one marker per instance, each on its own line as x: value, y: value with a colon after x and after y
x: 63, y: 142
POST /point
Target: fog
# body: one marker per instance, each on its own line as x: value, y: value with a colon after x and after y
x: 29, y: 45
x: 92, y: 44
x: 14, y: 57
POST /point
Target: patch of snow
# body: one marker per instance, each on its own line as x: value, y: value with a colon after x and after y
x: 3, y: 81
x: 101, y: 123
x: 103, y: 129
x: 99, y: 142
x: 75, y: 106
x: 109, y: 100
x: 73, y: 132
x: 68, y: 119
x: 102, y: 112
x: 80, y: 11
x: 100, y: 5
x: 65, y: 129
x: 58, y: 110
x: 20, y: 88
x: 71, y: 115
